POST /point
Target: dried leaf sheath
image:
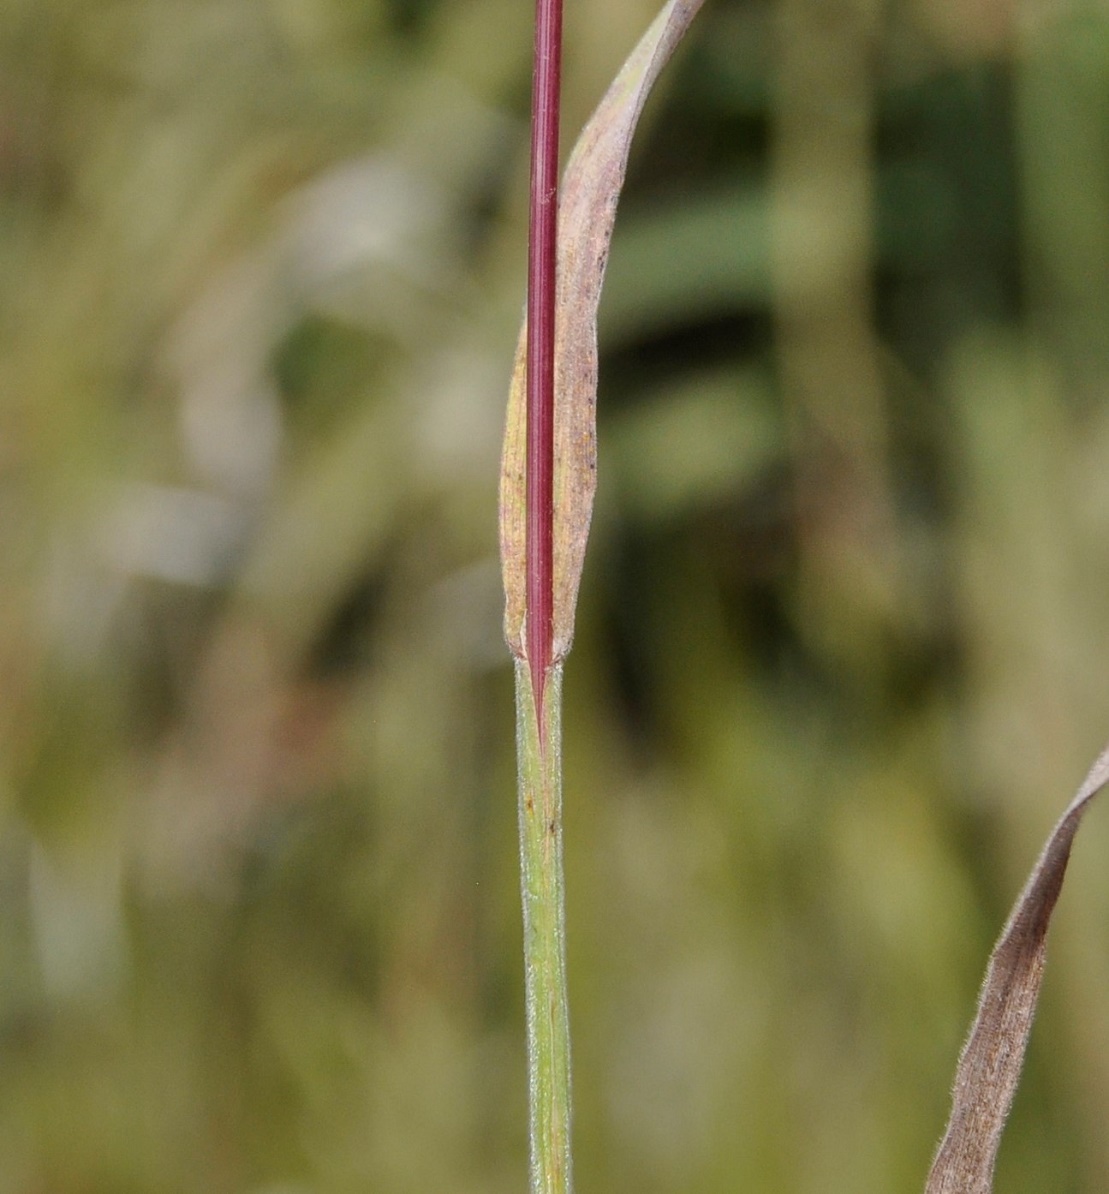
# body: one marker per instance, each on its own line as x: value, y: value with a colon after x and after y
x: 990, y: 1064
x: 590, y: 191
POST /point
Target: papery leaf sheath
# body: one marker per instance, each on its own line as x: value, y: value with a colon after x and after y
x: 591, y: 189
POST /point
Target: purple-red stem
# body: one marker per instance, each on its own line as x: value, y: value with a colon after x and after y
x: 542, y: 241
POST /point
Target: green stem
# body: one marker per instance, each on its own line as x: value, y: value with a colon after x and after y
x: 548, y: 1025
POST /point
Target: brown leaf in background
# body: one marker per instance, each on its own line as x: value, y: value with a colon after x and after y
x: 990, y: 1064
x: 587, y: 210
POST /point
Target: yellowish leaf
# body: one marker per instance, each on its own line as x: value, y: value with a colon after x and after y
x: 587, y: 209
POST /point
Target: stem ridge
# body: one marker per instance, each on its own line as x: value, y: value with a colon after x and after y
x: 542, y: 264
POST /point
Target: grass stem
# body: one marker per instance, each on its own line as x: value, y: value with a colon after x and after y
x: 548, y: 1025
x: 542, y: 241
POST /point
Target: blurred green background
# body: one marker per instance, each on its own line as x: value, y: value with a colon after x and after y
x: 841, y: 645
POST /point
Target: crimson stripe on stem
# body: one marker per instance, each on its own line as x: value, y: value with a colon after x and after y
x: 542, y: 240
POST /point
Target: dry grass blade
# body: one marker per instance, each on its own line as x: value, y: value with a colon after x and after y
x: 990, y: 1064
x: 590, y: 191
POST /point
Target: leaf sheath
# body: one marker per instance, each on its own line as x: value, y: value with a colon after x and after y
x: 587, y: 210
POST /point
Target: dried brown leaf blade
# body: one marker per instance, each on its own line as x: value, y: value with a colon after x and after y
x: 991, y: 1060
x: 591, y: 188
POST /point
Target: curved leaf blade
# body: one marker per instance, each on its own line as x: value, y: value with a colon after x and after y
x: 991, y: 1061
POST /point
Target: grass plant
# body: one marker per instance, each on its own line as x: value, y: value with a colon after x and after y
x: 552, y: 424
x: 551, y: 495
x: 841, y: 646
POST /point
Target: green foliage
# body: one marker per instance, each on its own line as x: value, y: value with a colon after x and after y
x: 835, y: 665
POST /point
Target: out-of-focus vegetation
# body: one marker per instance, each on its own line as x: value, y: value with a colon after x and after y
x: 841, y: 649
